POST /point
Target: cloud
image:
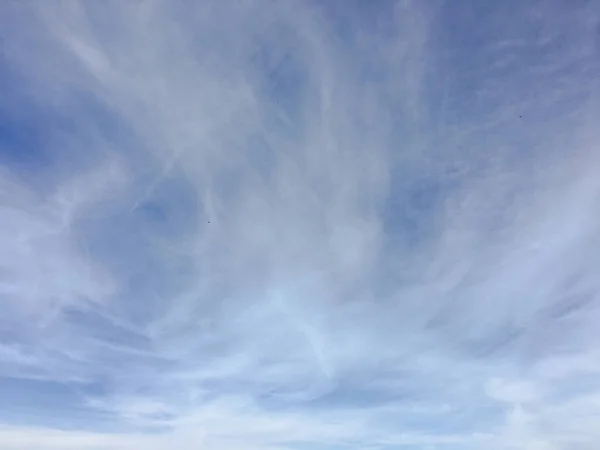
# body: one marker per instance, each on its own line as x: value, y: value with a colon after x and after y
x: 299, y: 225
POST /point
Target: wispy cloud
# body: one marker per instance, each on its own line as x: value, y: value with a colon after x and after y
x: 295, y: 225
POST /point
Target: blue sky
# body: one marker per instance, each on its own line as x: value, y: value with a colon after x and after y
x: 299, y: 225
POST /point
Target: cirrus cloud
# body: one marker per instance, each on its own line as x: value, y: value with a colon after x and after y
x: 299, y: 225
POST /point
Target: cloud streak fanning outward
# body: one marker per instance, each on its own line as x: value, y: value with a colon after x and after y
x: 299, y: 225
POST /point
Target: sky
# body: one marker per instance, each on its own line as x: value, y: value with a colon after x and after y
x: 300, y: 225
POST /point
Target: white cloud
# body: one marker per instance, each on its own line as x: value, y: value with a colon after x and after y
x: 292, y: 225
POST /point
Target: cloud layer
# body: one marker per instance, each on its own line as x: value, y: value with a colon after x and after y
x: 299, y: 225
